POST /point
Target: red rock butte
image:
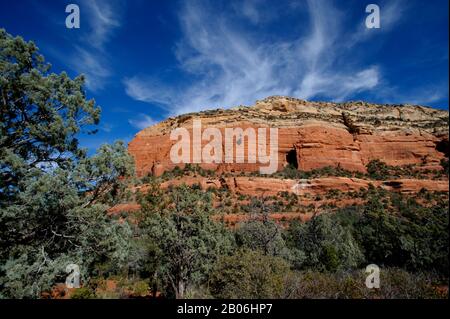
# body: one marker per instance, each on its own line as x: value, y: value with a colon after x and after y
x: 312, y: 135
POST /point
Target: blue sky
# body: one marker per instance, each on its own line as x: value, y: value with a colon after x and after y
x: 148, y: 60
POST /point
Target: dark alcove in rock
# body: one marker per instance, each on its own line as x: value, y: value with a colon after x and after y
x: 291, y: 158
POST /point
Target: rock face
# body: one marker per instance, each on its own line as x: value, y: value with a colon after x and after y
x: 311, y: 135
x: 261, y: 186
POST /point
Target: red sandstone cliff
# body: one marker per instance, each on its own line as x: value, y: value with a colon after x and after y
x: 313, y: 135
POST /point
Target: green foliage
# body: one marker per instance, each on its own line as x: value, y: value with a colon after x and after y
x: 186, y: 242
x: 264, y: 236
x: 379, y: 170
x: 105, y: 176
x: 291, y: 172
x: 189, y: 169
x: 119, y: 287
x: 51, y: 225
x: 401, y: 233
x: 394, y: 284
x: 53, y: 199
x: 376, y: 169
x: 82, y: 293
x: 139, y: 288
x: 40, y: 114
x: 390, y: 230
x: 249, y: 274
x: 444, y: 164
x: 324, y: 245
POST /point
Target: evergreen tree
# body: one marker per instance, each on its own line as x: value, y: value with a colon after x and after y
x: 186, y: 242
x: 323, y: 244
x: 53, y: 198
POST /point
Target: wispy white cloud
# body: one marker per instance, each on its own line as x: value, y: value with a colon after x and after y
x: 338, y: 86
x: 231, y: 67
x: 142, y: 121
x: 103, y: 19
x: 249, y: 9
x: 392, y: 12
x: 90, y: 63
x: 99, y: 20
x: 106, y: 127
x: 255, y: 11
x: 425, y: 95
x: 148, y: 91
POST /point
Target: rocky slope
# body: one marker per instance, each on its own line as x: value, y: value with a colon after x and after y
x: 313, y: 135
x: 300, y: 198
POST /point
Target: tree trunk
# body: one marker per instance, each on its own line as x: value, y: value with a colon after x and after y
x: 180, y: 290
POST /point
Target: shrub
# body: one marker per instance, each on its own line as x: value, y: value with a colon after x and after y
x: 82, y: 293
x: 394, y: 284
x: 261, y: 235
x: 249, y: 274
x: 376, y: 169
x: 444, y: 164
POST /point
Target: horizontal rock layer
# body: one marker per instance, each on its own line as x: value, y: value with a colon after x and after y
x: 261, y: 186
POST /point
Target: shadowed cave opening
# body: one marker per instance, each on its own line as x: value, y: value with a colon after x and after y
x: 291, y: 158
x: 443, y: 147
